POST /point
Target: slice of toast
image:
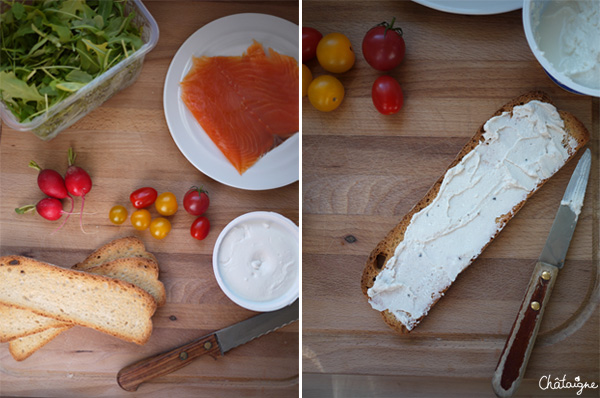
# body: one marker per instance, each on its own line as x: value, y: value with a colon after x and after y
x: 23, y: 347
x: 124, y: 247
x: 419, y: 294
x: 105, y: 304
x: 18, y: 322
x: 139, y: 271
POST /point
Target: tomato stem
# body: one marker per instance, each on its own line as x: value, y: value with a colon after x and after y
x: 199, y: 190
x: 390, y: 26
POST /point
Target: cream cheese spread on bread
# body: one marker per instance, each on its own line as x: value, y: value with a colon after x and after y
x: 519, y: 150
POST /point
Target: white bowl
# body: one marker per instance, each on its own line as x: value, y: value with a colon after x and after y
x: 532, y: 11
x: 259, y: 219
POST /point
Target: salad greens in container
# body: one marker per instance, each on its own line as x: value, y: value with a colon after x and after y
x: 60, y: 59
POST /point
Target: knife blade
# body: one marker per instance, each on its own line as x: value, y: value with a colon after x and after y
x: 214, y: 344
x: 521, y: 339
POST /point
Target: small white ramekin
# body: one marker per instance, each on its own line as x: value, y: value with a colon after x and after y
x: 532, y: 10
x: 261, y: 306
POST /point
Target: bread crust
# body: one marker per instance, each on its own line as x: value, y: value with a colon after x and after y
x: 385, y: 249
x: 129, y: 246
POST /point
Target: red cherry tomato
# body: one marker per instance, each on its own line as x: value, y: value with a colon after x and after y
x: 387, y: 95
x: 143, y: 197
x: 310, y: 39
x: 383, y: 46
x: 200, y: 228
x: 196, y: 201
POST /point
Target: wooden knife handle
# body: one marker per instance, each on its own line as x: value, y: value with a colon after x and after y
x: 131, y: 376
x: 513, y: 361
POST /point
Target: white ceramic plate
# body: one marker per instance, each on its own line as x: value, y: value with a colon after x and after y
x: 230, y: 35
x: 473, y: 7
x: 262, y: 306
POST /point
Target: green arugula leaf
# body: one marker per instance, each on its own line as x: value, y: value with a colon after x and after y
x: 12, y: 87
x: 69, y: 86
x: 18, y: 11
x: 78, y: 76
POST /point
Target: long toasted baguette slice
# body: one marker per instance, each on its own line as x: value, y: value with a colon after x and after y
x: 23, y: 347
x: 129, y: 246
x: 18, y: 322
x: 414, y: 265
x: 105, y: 304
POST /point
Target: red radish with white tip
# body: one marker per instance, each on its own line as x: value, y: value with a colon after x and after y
x: 52, y: 184
x: 49, y: 208
x: 78, y: 182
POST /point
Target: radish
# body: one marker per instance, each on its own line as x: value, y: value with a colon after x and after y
x: 49, y: 208
x: 78, y: 183
x: 52, y: 184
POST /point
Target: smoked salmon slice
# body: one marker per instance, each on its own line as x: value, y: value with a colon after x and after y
x: 246, y: 104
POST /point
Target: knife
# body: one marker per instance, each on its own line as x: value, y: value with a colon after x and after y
x: 520, y: 342
x: 214, y: 344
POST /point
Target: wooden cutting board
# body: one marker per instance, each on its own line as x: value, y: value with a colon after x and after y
x: 124, y: 145
x: 362, y: 171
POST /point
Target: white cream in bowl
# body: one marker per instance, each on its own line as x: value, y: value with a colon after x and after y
x: 564, y: 36
x: 256, y: 261
x: 568, y: 34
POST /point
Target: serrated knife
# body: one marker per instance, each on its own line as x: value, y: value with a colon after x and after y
x: 214, y: 344
x: 517, y: 350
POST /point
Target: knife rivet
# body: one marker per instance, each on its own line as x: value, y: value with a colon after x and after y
x: 535, y: 305
x: 207, y: 345
x: 183, y: 356
x: 546, y: 275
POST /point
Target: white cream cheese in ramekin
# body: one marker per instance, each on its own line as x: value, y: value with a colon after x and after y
x: 520, y: 149
x: 568, y: 34
x: 258, y: 260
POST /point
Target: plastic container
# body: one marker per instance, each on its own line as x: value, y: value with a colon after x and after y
x: 95, y: 93
x: 288, y: 228
x: 532, y: 12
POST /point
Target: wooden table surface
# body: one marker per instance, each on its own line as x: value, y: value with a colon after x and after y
x: 125, y: 144
x: 363, y: 171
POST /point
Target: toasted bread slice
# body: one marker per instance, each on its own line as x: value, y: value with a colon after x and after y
x: 378, y: 260
x: 105, y: 304
x: 23, y: 347
x: 139, y: 271
x: 119, y: 248
x: 18, y: 322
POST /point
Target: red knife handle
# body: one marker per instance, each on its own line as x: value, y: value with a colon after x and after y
x: 517, y: 350
x: 131, y: 376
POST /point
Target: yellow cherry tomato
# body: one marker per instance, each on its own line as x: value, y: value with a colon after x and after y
x: 160, y: 227
x: 326, y: 93
x: 140, y: 219
x: 118, y: 214
x: 166, y: 204
x: 335, y: 53
x: 306, y: 79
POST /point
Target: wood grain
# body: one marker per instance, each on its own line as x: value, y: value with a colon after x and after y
x: 124, y: 145
x: 363, y: 171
